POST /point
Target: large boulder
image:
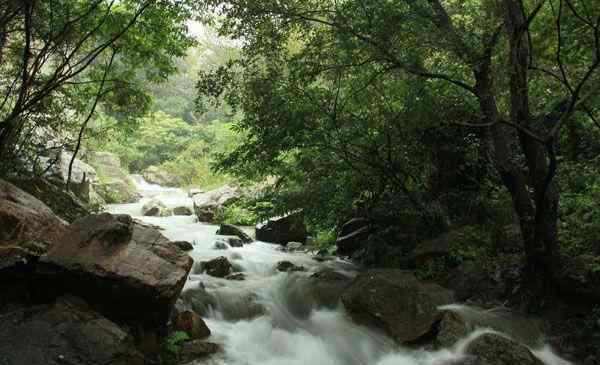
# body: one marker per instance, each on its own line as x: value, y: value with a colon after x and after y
x: 82, y: 174
x: 191, y: 323
x: 352, y: 236
x: 156, y: 208
x: 157, y: 175
x: 113, y: 184
x: 206, y: 205
x: 28, y: 228
x: 395, y: 302
x: 231, y: 230
x: 281, y: 230
x: 26, y: 223
x: 129, y: 272
x: 65, y: 332
x: 63, y: 203
x: 493, y: 349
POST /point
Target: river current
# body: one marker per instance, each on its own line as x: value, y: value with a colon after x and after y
x: 289, y: 331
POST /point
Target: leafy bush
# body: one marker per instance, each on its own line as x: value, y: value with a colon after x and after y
x: 172, y: 346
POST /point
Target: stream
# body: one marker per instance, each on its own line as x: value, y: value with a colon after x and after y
x: 286, y: 330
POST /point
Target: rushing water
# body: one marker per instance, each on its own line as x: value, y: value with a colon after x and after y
x: 288, y: 330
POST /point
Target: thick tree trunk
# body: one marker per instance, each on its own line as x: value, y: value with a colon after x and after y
x: 539, y: 229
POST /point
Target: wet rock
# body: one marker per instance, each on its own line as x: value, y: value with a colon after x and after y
x: 327, y: 286
x: 231, y: 230
x: 452, y: 328
x: 159, y: 176
x: 396, y: 302
x: 428, y: 250
x: 155, y: 208
x: 219, y: 267
x: 492, y: 349
x: 287, y: 266
x: 580, y: 278
x: 199, y: 300
x: 128, y: 272
x: 65, y: 332
x: 28, y: 228
x: 235, y: 256
x: 184, y: 245
x: 196, y: 350
x: 82, y: 174
x: 191, y: 323
x: 281, y: 230
x: 294, y: 246
x: 183, y: 211
x: 207, y: 204
x: 237, y: 276
x: 232, y: 241
x: 352, y: 236
x: 220, y: 245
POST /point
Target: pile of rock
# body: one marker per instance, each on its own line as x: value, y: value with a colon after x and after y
x: 98, y: 291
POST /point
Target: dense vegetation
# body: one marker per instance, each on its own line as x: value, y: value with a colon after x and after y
x: 424, y: 117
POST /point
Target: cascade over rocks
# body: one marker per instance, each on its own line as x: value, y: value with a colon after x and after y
x: 395, y: 302
x: 231, y: 230
x: 128, y: 272
x: 352, y: 236
x: 67, y: 331
x: 232, y: 241
x: 219, y: 267
x: 281, y: 230
x: 493, y: 349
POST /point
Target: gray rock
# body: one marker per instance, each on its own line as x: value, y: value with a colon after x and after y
x: 155, y: 208
x: 220, y: 245
x: 159, y: 176
x: 396, y: 302
x: 184, y: 245
x: 207, y: 204
x: 219, y: 267
x: 128, y: 272
x: 294, y: 246
x: 492, y: 349
x: 286, y: 266
x: 183, y: 211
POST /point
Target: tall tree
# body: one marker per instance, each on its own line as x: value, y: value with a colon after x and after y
x: 528, y: 66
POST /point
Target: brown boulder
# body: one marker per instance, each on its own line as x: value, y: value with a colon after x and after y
x: 128, y: 272
x: 191, y: 323
x: 396, y: 302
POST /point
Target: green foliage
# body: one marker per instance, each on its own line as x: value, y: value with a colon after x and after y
x: 185, y: 150
x: 172, y: 346
x: 580, y: 212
